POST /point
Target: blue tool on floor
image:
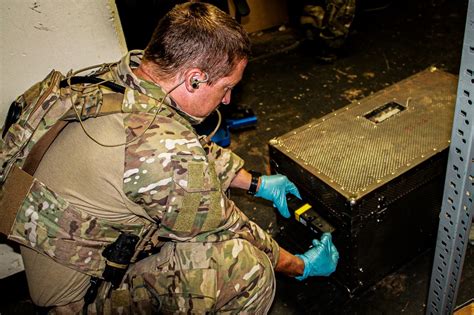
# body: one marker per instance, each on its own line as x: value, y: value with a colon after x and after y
x: 233, y: 118
x: 239, y: 117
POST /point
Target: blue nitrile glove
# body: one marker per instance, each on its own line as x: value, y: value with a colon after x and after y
x: 321, y: 259
x: 275, y: 188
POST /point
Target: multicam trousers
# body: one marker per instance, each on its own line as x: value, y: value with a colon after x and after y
x: 225, y: 277
x: 229, y: 277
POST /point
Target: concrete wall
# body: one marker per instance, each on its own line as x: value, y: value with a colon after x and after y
x: 37, y: 36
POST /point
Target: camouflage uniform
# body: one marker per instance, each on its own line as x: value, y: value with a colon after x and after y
x: 214, y: 257
x: 330, y: 21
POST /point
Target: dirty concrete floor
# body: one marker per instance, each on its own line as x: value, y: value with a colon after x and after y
x: 286, y: 84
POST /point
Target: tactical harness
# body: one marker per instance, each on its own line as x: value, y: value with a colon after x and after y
x: 34, y: 215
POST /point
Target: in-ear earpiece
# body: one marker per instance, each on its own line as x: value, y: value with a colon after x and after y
x: 195, y: 81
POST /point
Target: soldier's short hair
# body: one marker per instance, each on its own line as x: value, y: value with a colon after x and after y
x: 198, y: 35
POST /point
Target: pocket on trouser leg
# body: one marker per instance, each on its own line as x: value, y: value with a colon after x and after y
x: 246, y: 281
x: 143, y: 301
x: 119, y: 302
x: 184, y: 291
x: 111, y: 301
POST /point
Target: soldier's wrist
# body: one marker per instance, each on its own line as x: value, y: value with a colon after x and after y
x: 254, y: 183
x: 305, y: 272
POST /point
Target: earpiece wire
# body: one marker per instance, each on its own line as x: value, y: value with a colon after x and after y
x: 97, y: 84
x: 208, y: 138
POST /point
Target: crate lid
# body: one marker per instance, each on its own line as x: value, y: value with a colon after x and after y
x: 369, y: 142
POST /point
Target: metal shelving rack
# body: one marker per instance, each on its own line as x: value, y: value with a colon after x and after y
x: 457, y: 207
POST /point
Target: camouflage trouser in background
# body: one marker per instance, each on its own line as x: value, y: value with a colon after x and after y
x: 329, y: 20
x: 231, y: 277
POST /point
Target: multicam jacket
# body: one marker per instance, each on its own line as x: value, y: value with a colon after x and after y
x: 178, y: 181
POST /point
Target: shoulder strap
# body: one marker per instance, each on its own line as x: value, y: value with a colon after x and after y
x: 89, y: 79
x: 39, y: 149
x: 12, y: 195
x: 48, y: 92
x: 111, y: 104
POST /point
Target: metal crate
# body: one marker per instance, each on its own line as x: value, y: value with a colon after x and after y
x: 374, y: 170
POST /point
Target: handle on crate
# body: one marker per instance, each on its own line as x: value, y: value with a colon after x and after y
x: 307, y: 215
